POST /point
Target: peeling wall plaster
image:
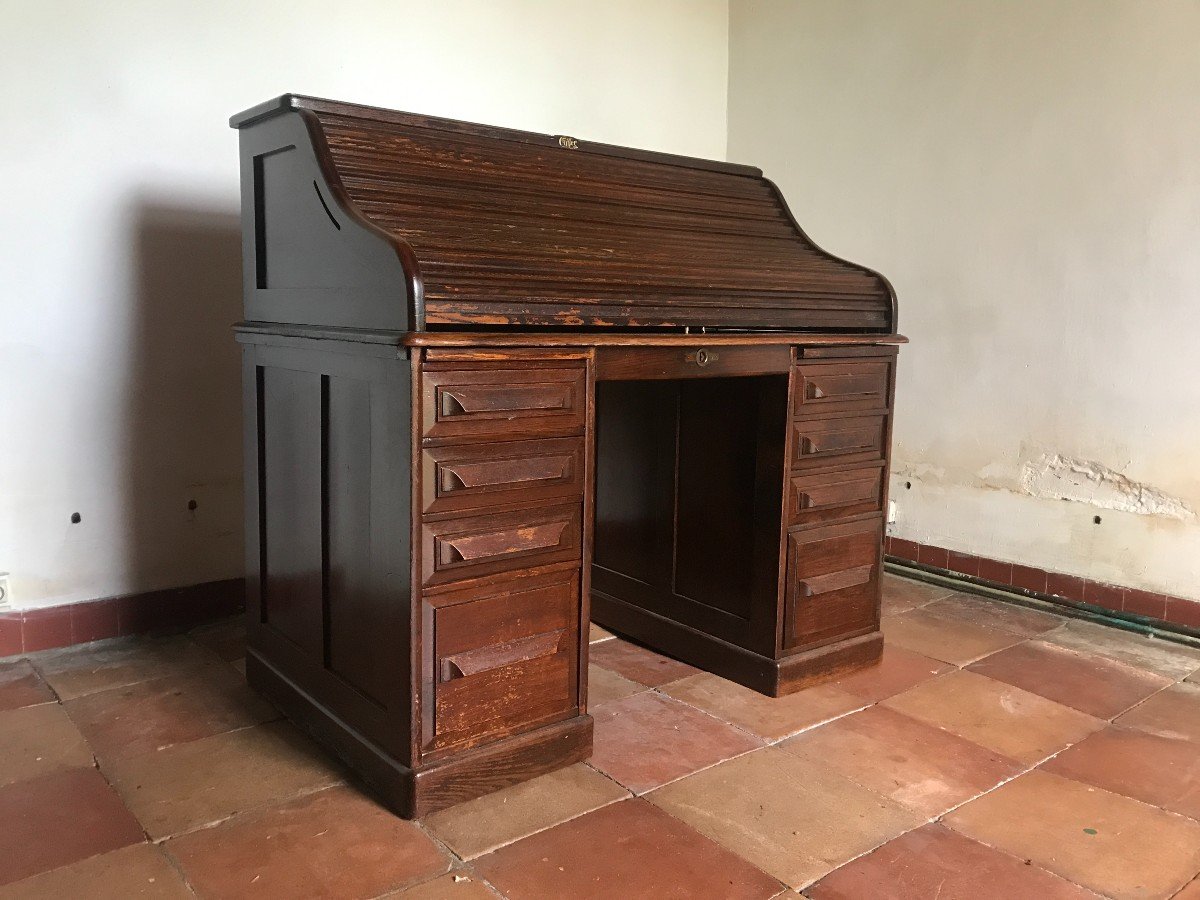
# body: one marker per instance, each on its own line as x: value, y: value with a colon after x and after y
x: 1026, y: 176
x: 1056, y: 477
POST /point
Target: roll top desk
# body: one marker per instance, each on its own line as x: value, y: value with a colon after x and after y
x: 498, y: 384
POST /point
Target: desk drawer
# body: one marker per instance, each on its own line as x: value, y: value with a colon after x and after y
x: 818, y: 442
x: 471, y: 476
x: 832, y: 583
x: 506, y: 402
x: 700, y: 361
x: 841, y: 386
x: 462, y: 548
x: 505, y: 662
x: 819, y: 497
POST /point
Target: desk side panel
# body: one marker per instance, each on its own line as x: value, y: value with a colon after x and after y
x: 328, y: 555
x: 308, y: 257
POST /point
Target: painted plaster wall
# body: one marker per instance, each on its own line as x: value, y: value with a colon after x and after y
x: 1028, y: 176
x: 118, y: 372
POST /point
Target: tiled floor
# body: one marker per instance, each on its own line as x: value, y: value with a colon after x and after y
x: 997, y: 752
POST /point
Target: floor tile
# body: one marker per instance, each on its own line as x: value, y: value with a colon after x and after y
x: 897, y: 671
x: 226, y: 638
x: 77, y: 671
x: 1191, y: 892
x: 1152, y: 654
x: 139, y: 870
x: 37, y: 740
x: 638, y: 664
x: 480, y: 826
x: 1173, y: 713
x: 647, y: 740
x: 933, y: 861
x: 152, y: 715
x: 1096, y: 685
x: 902, y: 594
x: 629, y: 850
x: 604, y: 686
x: 453, y: 886
x: 20, y: 685
x: 201, y: 782
x: 1111, y: 844
x: 58, y: 819
x: 770, y: 718
x: 945, y: 638
x: 337, y: 843
x: 597, y: 634
x: 1161, y: 771
x: 1008, y: 720
x: 917, y: 765
x: 791, y: 817
x: 978, y: 610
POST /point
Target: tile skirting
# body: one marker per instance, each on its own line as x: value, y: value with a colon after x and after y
x: 170, y: 609
x: 1179, y: 613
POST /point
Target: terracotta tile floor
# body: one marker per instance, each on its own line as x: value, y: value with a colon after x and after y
x: 996, y: 752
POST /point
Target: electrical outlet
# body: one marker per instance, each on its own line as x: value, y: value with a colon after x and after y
x: 5, y: 592
x: 891, y: 519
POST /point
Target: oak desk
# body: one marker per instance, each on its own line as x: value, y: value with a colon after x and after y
x: 499, y: 383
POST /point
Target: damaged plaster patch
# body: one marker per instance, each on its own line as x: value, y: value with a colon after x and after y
x: 1056, y: 477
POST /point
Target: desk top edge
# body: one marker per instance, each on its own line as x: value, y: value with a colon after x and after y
x: 561, y: 339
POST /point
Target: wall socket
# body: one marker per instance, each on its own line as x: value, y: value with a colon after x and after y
x: 5, y: 592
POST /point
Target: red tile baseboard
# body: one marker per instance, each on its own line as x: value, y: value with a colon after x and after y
x: 172, y: 609
x: 1177, y: 611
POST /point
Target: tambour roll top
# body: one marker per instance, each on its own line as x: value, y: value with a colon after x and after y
x: 368, y: 218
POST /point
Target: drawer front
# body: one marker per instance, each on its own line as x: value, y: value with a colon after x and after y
x: 471, y: 476
x: 817, y: 442
x: 826, y: 387
x: 457, y: 549
x: 832, y: 583
x: 822, y: 496
x: 507, y: 402
x: 649, y: 363
x: 504, y: 662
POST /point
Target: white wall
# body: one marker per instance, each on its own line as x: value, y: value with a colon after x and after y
x: 1028, y: 176
x: 120, y: 257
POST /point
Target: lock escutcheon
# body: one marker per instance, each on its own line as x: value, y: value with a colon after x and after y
x: 701, y: 357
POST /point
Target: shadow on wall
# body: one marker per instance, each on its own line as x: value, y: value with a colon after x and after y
x: 182, y: 456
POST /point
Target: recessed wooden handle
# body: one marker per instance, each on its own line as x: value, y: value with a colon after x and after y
x: 485, y: 659
x: 465, y: 400
x: 834, y: 581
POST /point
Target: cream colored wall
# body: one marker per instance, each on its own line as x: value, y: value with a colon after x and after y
x: 1028, y: 176
x: 118, y: 372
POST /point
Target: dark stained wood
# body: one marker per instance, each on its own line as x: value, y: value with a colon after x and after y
x: 504, y: 402
x: 832, y: 583
x: 495, y: 227
x: 694, y: 361
x: 823, y: 496
x: 839, y: 345
x: 497, y: 380
x: 461, y: 477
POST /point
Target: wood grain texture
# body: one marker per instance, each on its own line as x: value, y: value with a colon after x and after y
x: 498, y: 227
x: 472, y: 354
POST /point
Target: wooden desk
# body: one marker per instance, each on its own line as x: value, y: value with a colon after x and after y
x: 441, y: 492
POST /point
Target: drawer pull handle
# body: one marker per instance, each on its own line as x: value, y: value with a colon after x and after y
x: 834, y: 581
x: 503, y: 472
x: 850, y: 492
x: 485, y: 659
x: 809, y: 446
x: 473, y: 547
x: 525, y: 398
x: 701, y: 357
